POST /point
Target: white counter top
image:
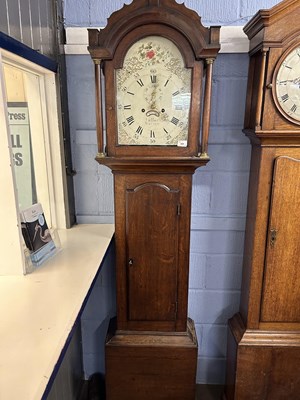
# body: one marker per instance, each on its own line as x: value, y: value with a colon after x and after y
x: 38, y: 311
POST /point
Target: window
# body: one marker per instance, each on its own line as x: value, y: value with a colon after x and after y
x: 31, y: 152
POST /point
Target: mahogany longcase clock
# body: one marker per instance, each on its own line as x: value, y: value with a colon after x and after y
x: 153, y: 74
x: 264, y: 338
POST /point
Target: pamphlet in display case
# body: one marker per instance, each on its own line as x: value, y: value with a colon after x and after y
x: 41, y: 242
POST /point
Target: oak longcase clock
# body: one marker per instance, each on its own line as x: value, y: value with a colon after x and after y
x: 153, y: 75
x: 264, y: 337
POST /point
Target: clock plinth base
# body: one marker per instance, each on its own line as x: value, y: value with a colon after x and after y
x: 262, y: 364
x: 151, y: 365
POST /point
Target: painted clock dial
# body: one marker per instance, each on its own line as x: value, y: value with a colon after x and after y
x: 153, y: 95
x: 287, y: 86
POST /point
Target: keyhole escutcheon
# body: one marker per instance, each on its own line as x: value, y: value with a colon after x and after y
x: 273, y: 237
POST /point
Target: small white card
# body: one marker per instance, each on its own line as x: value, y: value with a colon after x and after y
x: 182, y: 143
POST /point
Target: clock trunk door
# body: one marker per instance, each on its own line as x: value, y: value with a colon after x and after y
x: 152, y: 253
x: 281, y: 297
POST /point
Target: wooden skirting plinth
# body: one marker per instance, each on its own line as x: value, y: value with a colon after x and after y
x: 151, y: 365
x: 262, y: 364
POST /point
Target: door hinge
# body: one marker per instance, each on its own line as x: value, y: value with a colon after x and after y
x: 178, y: 209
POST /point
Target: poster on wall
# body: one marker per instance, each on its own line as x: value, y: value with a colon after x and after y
x: 18, y: 119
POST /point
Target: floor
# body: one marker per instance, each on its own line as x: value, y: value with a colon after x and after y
x: 209, y: 392
x: 94, y: 390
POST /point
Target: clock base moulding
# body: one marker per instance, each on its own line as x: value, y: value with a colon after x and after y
x: 151, y: 365
x: 262, y: 364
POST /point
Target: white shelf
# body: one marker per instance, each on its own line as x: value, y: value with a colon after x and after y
x: 39, y: 310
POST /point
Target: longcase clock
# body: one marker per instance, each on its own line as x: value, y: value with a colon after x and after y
x: 153, y: 75
x: 264, y: 337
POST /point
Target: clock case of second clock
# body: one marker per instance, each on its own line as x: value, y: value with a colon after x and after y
x: 263, y: 348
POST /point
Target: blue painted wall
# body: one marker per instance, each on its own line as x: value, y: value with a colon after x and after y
x: 100, y: 308
x: 216, y: 12
x: 219, y: 189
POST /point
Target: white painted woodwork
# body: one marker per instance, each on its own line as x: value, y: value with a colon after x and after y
x: 12, y: 257
x: 48, y: 157
x: 232, y: 38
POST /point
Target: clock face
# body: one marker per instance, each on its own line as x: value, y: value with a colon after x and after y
x: 287, y: 86
x: 153, y: 95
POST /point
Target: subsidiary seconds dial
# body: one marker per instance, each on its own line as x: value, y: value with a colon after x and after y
x: 153, y: 95
x: 287, y: 86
